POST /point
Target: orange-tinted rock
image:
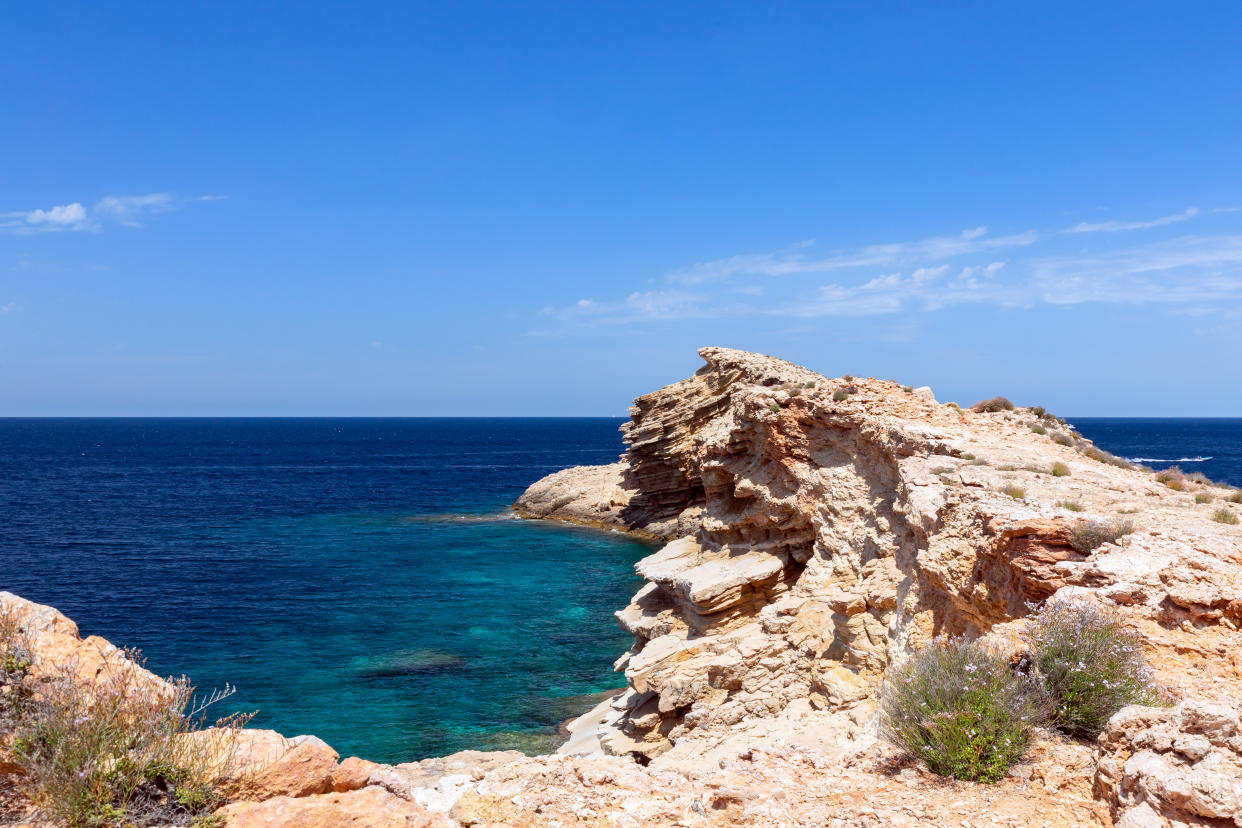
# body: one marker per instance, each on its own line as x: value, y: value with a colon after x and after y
x: 352, y: 774
x: 365, y: 808
x: 306, y: 769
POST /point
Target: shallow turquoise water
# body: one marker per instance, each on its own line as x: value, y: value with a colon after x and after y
x: 356, y: 579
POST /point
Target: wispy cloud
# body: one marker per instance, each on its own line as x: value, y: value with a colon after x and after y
x: 127, y: 210
x: 938, y: 273
x: 1114, y: 226
x: 793, y: 260
x: 130, y: 210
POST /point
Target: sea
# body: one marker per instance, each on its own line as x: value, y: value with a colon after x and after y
x: 362, y: 579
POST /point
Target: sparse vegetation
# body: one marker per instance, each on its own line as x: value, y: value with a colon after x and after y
x: 1127, y: 511
x: 1038, y: 429
x: 993, y: 405
x: 1173, y: 478
x: 1063, y: 439
x: 840, y: 395
x: 1071, y: 505
x: 1093, y: 534
x: 1039, y: 410
x: 909, y: 389
x: 1236, y: 497
x: 1016, y: 492
x: 795, y: 392
x: 1203, y: 497
x: 1060, y: 470
x: 775, y: 408
x: 1101, y: 456
x: 959, y: 708
x: 1088, y: 663
x: 116, y: 751
x: 1223, y: 515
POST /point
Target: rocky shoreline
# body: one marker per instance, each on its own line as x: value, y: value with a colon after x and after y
x: 817, y: 531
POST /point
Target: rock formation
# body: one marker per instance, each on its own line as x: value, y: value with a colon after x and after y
x: 822, y: 528
x: 818, y: 530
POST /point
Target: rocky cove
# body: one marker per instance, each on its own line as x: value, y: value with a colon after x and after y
x: 816, y: 531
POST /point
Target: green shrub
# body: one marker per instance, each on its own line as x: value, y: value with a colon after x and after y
x: 959, y: 708
x: 1038, y: 429
x: 775, y: 408
x: 1089, y: 664
x: 1203, y: 497
x: 1071, y: 505
x: 967, y: 456
x: 1016, y: 492
x: 1093, y: 534
x: 840, y: 395
x: 1060, y: 470
x: 993, y: 405
x: 1223, y: 515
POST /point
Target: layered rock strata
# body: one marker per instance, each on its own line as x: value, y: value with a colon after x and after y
x: 822, y: 528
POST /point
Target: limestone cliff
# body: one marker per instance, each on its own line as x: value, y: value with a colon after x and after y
x: 821, y: 528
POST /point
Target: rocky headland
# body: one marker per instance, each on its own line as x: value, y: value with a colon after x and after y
x: 819, y: 530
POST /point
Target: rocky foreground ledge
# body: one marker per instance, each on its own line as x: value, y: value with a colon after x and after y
x: 818, y: 531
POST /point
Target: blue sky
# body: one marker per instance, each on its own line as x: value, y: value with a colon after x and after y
x: 544, y: 209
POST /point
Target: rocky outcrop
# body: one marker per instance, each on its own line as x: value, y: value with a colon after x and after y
x: 822, y: 528
x: 1174, y: 766
x: 269, y: 779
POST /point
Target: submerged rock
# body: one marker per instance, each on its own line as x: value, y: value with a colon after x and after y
x: 405, y: 662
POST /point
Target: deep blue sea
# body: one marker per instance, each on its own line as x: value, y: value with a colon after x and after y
x: 1212, y: 446
x: 359, y: 579
x: 356, y: 579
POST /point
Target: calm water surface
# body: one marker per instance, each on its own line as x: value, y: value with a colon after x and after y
x: 356, y: 579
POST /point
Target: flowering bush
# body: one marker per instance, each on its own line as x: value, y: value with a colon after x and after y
x: 114, y: 752
x: 959, y: 707
x: 1090, y: 665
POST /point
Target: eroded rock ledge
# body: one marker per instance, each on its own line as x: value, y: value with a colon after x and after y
x: 821, y: 528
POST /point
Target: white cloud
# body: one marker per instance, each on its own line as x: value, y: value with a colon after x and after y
x: 65, y: 217
x: 128, y: 210
x: 6, y: 308
x: 1114, y: 226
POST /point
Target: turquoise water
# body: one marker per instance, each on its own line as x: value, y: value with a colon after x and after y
x: 356, y: 579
